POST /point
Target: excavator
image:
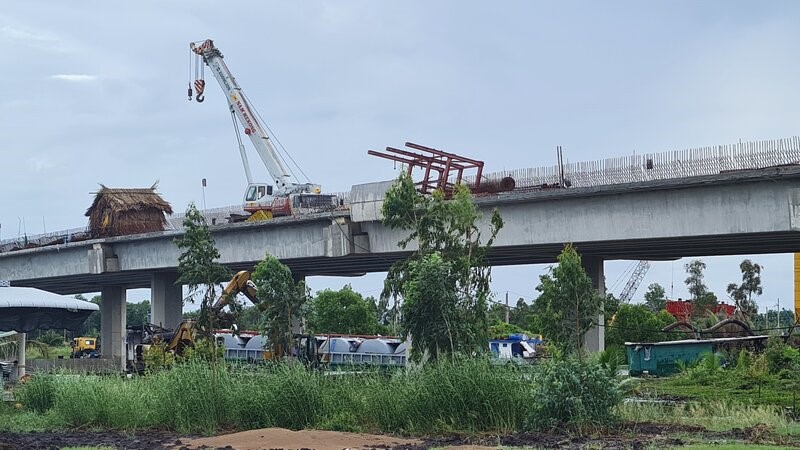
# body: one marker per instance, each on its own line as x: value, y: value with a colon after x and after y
x: 184, y: 335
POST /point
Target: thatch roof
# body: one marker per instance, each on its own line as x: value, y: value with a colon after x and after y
x: 117, y: 212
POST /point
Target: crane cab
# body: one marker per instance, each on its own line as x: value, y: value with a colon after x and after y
x: 258, y: 197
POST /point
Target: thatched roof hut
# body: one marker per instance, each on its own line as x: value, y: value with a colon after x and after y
x: 120, y: 212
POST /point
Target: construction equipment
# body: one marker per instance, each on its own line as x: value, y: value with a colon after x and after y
x: 85, y: 347
x: 282, y: 196
x: 635, y: 280
x: 444, y: 170
x: 184, y: 335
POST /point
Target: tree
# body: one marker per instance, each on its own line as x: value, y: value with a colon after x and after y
x: 445, y: 283
x: 198, y: 267
x: 742, y: 294
x: 137, y: 314
x: 343, y: 312
x: 568, y: 305
x: 281, y: 302
x: 610, y: 305
x: 655, y: 298
x: 90, y: 326
x: 637, y: 323
x: 702, y: 300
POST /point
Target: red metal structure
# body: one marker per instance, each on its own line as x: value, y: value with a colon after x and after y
x: 682, y: 309
x: 443, y: 170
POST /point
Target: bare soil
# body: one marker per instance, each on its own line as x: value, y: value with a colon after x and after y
x: 279, y: 438
x: 57, y: 440
x: 627, y: 436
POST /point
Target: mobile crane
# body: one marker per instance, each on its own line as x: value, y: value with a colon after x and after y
x: 282, y: 196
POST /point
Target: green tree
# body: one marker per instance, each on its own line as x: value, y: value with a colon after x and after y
x: 656, y: 297
x: 137, y: 313
x: 694, y: 280
x: 610, y: 305
x: 91, y: 326
x: 198, y: 267
x: 343, y: 312
x: 703, y: 301
x: 568, y: 305
x: 445, y: 283
x: 742, y: 294
x: 281, y: 301
x: 637, y: 323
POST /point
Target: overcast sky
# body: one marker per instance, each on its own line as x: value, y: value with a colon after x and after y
x: 95, y: 92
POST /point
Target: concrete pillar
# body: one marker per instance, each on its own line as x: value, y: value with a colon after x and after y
x: 166, y: 300
x: 21, y: 361
x: 595, y: 339
x: 113, y: 316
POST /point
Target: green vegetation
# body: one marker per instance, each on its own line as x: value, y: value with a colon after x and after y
x: 703, y: 300
x: 344, y: 311
x: 712, y: 415
x: 445, y: 282
x: 768, y: 378
x: 656, y: 297
x: 568, y: 305
x: 199, y: 268
x: 282, y: 302
x: 570, y: 392
x: 467, y: 396
x: 742, y: 294
x: 637, y: 323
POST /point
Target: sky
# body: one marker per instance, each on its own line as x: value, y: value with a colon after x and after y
x: 95, y: 92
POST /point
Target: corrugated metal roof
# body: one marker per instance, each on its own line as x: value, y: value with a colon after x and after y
x: 22, y: 297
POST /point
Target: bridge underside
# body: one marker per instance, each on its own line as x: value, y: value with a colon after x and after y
x: 358, y: 264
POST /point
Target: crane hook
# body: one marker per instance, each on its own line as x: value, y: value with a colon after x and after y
x: 199, y: 86
x: 190, y: 92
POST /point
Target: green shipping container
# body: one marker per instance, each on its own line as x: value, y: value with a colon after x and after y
x: 660, y: 358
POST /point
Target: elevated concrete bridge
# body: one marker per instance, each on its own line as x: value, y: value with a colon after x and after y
x: 735, y: 212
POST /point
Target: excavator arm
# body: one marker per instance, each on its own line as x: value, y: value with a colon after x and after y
x: 240, y: 283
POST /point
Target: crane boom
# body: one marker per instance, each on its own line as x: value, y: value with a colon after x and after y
x: 252, y: 127
x: 636, y: 279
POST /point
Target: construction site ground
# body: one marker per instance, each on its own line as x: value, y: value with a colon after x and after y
x: 627, y: 436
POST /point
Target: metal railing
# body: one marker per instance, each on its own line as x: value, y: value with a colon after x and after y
x: 662, y: 166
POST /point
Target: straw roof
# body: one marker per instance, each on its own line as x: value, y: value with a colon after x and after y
x: 117, y: 212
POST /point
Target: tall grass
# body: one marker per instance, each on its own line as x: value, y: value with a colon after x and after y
x: 470, y: 396
x: 715, y: 416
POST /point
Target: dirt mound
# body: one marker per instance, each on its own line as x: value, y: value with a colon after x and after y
x: 279, y: 438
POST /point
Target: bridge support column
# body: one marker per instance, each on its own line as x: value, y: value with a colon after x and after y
x: 113, y: 316
x: 21, y: 362
x: 595, y: 339
x: 166, y: 300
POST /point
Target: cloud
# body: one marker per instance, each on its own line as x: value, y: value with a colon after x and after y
x: 25, y: 35
x: 39, y: 163
x: 74, y: 77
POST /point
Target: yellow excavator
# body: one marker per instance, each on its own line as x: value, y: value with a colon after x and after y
x: 184, y: 335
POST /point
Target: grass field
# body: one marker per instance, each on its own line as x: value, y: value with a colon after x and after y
x: 769, y: 391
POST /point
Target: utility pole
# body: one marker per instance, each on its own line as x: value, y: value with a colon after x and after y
x: 507, y: 307
x: 204, y: 194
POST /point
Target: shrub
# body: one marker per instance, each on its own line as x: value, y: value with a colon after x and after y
x: 779, y: 355
x: 38, y: 394
x: 574, y: 394
x: 51, y: 338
